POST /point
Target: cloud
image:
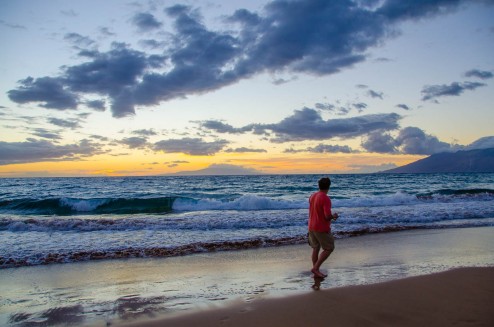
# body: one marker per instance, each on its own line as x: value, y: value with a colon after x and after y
x: 375, y: 94
x: 146, y: 21
x: 33, y: 150
x: 191, y: 146
x: 307, y: 124
x: 244, y: 150
x: 46, y: 134
x: 79, y: 40
x: 13, y: 26
x: 51, y: 92
x: 403, y: 106
x: 221, y: 127
x: 110, y: 74
x: 359, y: 106
x: 152, y: 44
x: 479, y: 74
x: 413, y: 140
x: 291, y: 37
x: 68, y: 123
x: 486, y: 142
x: 431, y: 92
x: 69, y: 13
x: 380, y: 142
x: 99, y: 137
x: 324, y: 106
x: 325, y: 148
x: 134, y: 142
x: 106, y: 31
x: 175, y: 163
x: 145, y: 132
x: 98, y: 105
x: 410, y: 140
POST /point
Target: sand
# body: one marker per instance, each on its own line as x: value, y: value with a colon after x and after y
x: 225, y: 287
x: 459, y: 297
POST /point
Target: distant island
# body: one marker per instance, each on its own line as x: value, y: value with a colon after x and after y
x: 471, y: 161
x: 219, y: 170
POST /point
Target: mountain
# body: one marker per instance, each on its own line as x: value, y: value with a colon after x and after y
x: 472, y: 161
x: 219, y: 170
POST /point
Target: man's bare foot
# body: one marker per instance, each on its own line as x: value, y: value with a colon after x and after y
x: 317, y: 273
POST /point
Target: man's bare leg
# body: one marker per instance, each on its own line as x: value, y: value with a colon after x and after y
x: 315, y: 255
x: 320, y: 258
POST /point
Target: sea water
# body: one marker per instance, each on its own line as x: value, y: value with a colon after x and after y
x: 61, y: 220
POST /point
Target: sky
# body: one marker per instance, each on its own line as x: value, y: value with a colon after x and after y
x: 122, y: 88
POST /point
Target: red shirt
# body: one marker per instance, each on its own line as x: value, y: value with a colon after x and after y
x: 319, y: 209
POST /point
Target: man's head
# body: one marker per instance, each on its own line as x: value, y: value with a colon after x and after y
x: 324, y: 184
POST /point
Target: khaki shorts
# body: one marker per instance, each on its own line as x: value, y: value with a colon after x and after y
x: 323, y: 240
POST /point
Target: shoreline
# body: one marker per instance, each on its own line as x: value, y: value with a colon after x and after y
x: 115, y: 292
x: 459, y: 297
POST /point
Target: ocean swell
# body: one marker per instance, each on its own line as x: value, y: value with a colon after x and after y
x: 74, y: 206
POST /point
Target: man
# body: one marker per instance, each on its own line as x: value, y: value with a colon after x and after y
x: 320, y: 217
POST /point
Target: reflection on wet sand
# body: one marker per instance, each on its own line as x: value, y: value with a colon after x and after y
x: 317, y: 283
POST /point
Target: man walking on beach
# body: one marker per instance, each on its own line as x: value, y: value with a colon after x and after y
x: 320, y: 217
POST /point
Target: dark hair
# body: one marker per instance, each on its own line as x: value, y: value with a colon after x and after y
x: 324, y: 183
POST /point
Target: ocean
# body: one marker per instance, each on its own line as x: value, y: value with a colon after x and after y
x: 63, y: 220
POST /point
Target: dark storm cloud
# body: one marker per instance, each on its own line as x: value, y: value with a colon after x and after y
x: 479, y: 74
x: 134, y: 142
x: 33, y: 150
x: 312, y: 36
x: 431, y: 92
x: 410, y: 140
x: 146, y: 21
x: 191, y: 146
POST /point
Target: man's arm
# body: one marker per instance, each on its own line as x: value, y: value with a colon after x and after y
x: 332, y: 216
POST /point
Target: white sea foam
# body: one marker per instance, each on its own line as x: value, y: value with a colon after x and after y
x: 245, y: 202
x: 82, y: 205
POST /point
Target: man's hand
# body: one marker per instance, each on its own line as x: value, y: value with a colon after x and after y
x: 335, y: 216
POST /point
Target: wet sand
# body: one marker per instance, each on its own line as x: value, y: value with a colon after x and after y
x: 459, y: 297
x: 114, y: 292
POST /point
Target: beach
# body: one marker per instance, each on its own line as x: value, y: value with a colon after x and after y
x: 368, y: 276
x: 459, y: 297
